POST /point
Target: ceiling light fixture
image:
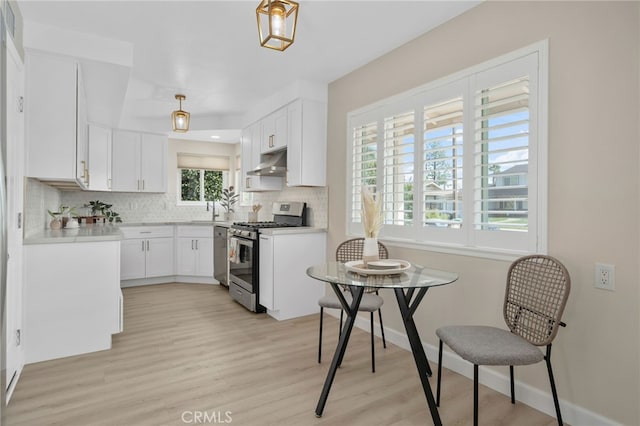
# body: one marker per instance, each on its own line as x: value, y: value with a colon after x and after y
x: 277, y: 23
x: 180, y: 118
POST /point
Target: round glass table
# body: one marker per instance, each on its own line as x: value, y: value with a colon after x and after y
x: 409, y: 286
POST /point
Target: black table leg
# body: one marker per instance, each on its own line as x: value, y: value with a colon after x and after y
x: 424, y: 371
x: 352, y: 312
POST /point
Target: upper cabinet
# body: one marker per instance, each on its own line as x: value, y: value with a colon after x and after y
x: 274, y: 134
x: 299, y: 127
x: 56, y: 119
x: 138, y: 162
x: 99, y: 155
x: 306, y: 143
x: 251, y: 149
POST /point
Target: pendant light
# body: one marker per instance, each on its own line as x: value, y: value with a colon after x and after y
x: 277, y: 23
x: 180, y: 118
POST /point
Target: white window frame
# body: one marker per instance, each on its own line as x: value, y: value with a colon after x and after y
x: 201, y: 202
x: 468, y: 241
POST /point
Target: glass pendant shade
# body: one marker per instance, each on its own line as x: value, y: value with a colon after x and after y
x: 180, y: 118
x: 277, y: 23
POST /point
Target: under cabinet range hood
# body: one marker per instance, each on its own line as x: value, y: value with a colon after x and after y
x: 272, y: 165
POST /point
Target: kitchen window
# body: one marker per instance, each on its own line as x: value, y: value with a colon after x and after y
x: 460, y: 163
x: 201, y: 178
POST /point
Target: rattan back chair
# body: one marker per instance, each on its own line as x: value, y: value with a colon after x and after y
x: 535, y: 297
x: 345, y: 252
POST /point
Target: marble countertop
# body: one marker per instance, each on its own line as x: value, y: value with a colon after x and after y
x: 76, y: 235
x: 181, y: 223
x: 292, y: 230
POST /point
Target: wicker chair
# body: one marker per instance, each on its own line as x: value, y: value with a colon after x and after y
x: 537, y: 291
x: 347, y: 251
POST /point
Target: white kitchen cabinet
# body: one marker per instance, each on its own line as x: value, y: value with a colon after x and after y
x: 194, y: 251
x: 147, y: 251
x: 72, y: 298
x: 285, y: 288
x: 251, y: 158
x: 99, y: 158
x: 56, y: 117
x: 138, y: 162
x: 274, y: 131
x: 306, y: 143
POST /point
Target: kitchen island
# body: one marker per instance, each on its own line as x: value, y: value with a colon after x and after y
x: 73, y: 302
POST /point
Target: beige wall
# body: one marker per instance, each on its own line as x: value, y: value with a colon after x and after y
x: 593, y: 183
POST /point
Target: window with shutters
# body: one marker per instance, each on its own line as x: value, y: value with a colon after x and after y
x: 460, y: 163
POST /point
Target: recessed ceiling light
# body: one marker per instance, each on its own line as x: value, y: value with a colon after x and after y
x: 215, y: 137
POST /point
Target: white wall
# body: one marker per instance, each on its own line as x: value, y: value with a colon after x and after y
x: 593, y: 184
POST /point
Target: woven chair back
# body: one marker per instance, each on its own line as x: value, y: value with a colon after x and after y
x: 537, y: 290
x: 352, y: 250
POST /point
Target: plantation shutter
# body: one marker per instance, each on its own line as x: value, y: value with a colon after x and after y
x: 364, y: 164
x: 398, y: 163
x: 442, y: 165
x: 502, y: 156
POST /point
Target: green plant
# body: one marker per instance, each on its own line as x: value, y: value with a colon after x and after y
x: 229, y: 198
x: 98, y: 208
x: 62, y: 211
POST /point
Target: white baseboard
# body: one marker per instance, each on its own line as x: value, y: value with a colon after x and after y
x: 168, y: 279
x: 526, y: 394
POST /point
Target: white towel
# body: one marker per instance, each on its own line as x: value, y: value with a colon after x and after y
x: 233, y: 250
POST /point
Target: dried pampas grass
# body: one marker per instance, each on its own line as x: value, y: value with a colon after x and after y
x: 371, y: 213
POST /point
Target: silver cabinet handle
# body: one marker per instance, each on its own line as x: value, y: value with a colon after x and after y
x: 196, y: 244
x: 248, y: 183
x: 191, y: 244
x: 271, y: 144
x: 147, y: 245
x: 142, y: 245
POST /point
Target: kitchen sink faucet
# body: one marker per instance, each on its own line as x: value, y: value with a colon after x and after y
x: 213, y: 210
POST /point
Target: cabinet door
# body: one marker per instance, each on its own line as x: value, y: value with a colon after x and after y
x: 125, y: 173
x: 246, y: 158
x: 50, y: 116
x: 267, y: 296
x: 99, y: 158
x: 82, y: 131
x: 204, y: 257
x: 307, y: 144
x: 132, y: 259
x: 153, y: 163
x: 159, y: 257
x: 185, y: 256
x: 274, y: 131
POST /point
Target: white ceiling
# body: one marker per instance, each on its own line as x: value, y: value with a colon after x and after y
x: 209, y: 50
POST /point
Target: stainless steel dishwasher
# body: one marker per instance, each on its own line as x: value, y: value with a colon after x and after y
x: 220, y: 256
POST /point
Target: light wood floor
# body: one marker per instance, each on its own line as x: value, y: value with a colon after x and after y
x: 188, y: 348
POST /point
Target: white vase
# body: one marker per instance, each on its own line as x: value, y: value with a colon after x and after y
x: 370, y: 250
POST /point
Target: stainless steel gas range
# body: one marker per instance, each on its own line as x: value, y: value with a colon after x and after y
x: 244, y: 255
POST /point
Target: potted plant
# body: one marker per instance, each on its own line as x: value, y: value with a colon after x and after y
x: 61, y: 217
x: 56, y: 220
x: 102, y: 211
x: 229, y: 199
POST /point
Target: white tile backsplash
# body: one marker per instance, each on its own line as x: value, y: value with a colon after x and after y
x: 38, y: 199
x: 138, y: 207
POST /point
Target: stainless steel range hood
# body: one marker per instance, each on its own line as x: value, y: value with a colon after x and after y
x: 272, y: 165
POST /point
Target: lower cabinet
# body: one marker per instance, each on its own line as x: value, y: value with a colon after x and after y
x: 151, y: 254
x: 72, y: 299
x: 194, y: 255
x: 285, y: 288
x: 147, y: 252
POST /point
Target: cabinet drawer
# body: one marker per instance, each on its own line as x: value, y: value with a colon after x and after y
x: 195, y: 231
x: 129, y: 232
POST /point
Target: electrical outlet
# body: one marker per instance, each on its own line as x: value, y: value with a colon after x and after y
x: 605, y: 277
